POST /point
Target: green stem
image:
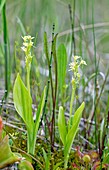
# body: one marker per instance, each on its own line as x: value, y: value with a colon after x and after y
x: 28, y: 79
x: 66, y: 162
x: 31, y: 136
x: 31, y: 141
x: 71, y: 103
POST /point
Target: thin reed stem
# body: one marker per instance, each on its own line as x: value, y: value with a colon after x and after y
x: 80, y: 45
x: 87, y: 11
x: 73, y: 26
x: 72, y: 20
x: 5, y: 49
x: 53, y: 99
x: 96, y: 70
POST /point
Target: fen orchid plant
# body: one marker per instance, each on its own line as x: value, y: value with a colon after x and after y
x: 74, y: 67
x: 23, y: 101
x: 27, y: 45
x: 68, y: 130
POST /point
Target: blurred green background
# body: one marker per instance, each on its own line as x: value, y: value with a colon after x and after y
x: 36, y: 16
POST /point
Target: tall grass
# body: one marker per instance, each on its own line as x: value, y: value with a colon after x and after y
x: 6, y: 52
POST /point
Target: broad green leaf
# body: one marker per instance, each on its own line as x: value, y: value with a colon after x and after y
x: 78, y: 114
x: 72, y: 132
x: 47, y: 161
x: 62, y: 125
x: 62, y: 65
x: 23, y: 102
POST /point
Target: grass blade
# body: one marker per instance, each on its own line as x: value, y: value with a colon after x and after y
x: 47, y: 162
x: 5, y: 39
x: 21, y: 26
x: 2, y: 3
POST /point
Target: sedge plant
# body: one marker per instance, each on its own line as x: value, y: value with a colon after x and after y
x: 68, y: 130
x: 23, y: 101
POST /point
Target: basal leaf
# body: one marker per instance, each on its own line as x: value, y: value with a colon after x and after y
x: 23, y: 102
x: 72, y: 132
x: 62, y: 125
x: 39, y: 111
x: 32, y: 133
x: 78, y: 114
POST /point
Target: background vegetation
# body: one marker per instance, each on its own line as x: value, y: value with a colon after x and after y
x: 83, y: 28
